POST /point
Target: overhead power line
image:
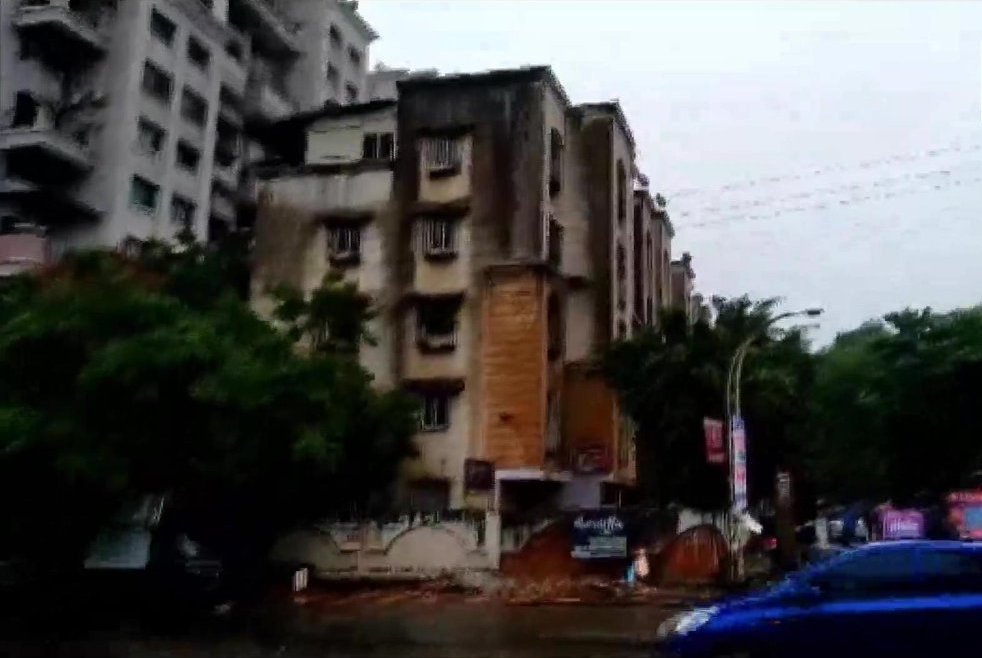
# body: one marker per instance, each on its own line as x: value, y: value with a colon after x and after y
x: 826, y: 170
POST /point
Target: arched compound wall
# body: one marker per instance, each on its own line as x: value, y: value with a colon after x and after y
x: 422, y: 550
x: 695, y: 556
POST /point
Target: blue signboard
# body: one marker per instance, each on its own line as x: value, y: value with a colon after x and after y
x: 599, y: 535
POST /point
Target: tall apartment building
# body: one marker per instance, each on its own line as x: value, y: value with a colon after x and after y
x: 490, y: 220
x: 125, y: 117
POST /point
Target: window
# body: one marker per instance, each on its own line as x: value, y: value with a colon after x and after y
x: 949, y: 571
x: 554, y: 319
x: 157, y: 83
x: 198, y: 54
x: 149, y: 137
x: 354, y: 56
x: 25, y: 110
x: 29, y: 48
x: 188, y: 157
x: 439, y: 237
x: 555, y: 242
x: 441, y: 154
x: 869, y: 571
x: 143, y: 195
x: 194, y: 108
x: 235, y: 50
x: 333, y: 78
x: 621, y: 191
x: 162, y: 28
x: 378, y: 146
x: 182, y: 212
x: 436, y: 324
x: 350, y: 93
x: 435, y: 414
x: 555, y: 162
x: 335, y: 36
x: 344, y: 243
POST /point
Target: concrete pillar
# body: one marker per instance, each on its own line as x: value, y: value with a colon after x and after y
x: 492, y: 537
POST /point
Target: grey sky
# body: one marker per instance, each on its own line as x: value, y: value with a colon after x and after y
x: 823, y: 152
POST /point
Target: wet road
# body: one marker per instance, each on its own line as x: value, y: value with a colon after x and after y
x: 411, y: 630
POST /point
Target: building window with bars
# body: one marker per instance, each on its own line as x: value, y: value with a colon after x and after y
x: 441, y: 155
x: 182, y: 212
x: 555, y: 162
x: 156, y: 83
x: 194, y: 108
x: 554, y: 242
x: 436, y: 325
x: 344, y: 244
x: 434, y: 415
x: 149, y: 137
x: 143, y: 195
x: 378, y: 146
x: 439, y: 238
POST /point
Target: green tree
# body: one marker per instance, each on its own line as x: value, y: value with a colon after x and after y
x: 119, y: 378
x: 672, y: 377
x: 895, y: 407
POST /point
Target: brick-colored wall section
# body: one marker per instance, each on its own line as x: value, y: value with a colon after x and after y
x: 514, y: 370
x: 590, y: 412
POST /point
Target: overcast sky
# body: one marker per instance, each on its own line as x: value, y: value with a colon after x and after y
x: 826, y: 153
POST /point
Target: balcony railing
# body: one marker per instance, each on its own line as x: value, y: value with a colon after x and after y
x: 49, y: 152
x: 57, y: 20
x: 276, y: 32
x: 430, y: 341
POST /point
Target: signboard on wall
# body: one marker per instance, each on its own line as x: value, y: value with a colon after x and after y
x: 599, y: 535
x: 715, y: 450
x: 738, y: 450
x: 478, y: 475
x: 965, y: 513
x: 902, y: 524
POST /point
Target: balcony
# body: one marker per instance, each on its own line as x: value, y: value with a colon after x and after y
x: 222, y: 205
x: 265, y: 95
x: 20, y: 252
x: 53, y: 205
x: 69, y: 27
x: 45, y: 154
x: 272, y: 31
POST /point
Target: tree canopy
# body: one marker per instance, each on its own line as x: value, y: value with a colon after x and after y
x: 673, y: 376
x: 121, y: 376
x: 895, y: 407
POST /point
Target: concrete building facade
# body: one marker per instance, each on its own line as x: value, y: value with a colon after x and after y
x: 491, y: 222
x: 125, y: 118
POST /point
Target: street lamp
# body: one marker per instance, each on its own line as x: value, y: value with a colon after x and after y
x: 733, y: 380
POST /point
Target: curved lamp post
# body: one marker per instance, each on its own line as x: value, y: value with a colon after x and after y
x: 733, y: 380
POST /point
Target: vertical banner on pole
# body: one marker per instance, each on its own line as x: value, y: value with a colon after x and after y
x: 738, y: 460
x: 715, y: 448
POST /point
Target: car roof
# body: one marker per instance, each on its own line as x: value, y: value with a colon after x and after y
x: 911, y: 544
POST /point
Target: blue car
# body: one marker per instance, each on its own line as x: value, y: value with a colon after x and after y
x: 915, y: 599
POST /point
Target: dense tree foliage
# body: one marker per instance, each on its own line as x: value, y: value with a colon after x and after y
x: 672, y: 377
x: 895, y: 408
x: 126, y: 375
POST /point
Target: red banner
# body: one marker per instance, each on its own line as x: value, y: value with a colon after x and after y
x: 715, y: 450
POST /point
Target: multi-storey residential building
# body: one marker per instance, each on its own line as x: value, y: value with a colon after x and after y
x: 125, y: 118
x: 683, y: 278
x: 652, y: 288
x: 381, y: 83
x: 488, y: 218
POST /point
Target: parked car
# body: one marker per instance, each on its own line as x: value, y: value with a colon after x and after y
x: 890, y: 599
